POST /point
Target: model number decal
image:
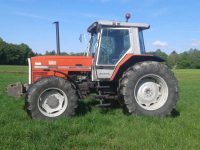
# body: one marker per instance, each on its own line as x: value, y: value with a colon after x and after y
x: 52, y: 62
x: 37, y: 63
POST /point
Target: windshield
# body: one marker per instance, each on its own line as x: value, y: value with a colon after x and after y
x: 142, y: 46
x: 93, y: 44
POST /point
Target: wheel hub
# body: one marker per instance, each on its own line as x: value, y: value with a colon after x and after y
x: 148, y: 92
x: 151, y: 92
x: 52, y: 102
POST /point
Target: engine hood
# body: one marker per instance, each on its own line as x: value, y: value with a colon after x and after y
x: 61, y: 61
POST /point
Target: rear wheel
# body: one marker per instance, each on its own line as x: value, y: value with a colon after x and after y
x: 50, y: 98
x: 149, y: 88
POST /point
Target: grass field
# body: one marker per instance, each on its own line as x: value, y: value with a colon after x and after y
x: 99, y: 128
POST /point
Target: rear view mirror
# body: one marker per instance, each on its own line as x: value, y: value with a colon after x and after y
x: 81, y: 37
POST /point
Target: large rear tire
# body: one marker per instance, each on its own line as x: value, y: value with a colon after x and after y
x: 149, y: 88
x: 51, y: 98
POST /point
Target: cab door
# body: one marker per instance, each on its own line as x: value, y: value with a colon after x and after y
x: 113, y: 45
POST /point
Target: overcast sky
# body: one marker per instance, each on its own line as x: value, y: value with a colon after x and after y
x: 175, y: 24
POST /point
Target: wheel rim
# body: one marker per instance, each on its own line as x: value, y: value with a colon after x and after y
x: 52, y: 102
x: 151, y: 92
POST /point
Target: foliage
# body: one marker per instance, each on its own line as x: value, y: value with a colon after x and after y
x: 172, y: 60
x: 50, y: 53
x: 101, y: 128
x: 159, y: 53
x: 186, y: 60
x: 64, y: 53
x: 13, y: 54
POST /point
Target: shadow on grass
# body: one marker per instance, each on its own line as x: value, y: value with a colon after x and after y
x: 109, y: 109
x: 86, y: 107
x: 175, y: 113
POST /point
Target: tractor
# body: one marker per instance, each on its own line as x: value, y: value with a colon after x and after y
x: 116, y: 68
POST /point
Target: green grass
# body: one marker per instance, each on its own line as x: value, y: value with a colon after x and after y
x: 101, y: 128
x: 13, y: 68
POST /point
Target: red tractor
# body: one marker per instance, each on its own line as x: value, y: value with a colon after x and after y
x: 115, y: 68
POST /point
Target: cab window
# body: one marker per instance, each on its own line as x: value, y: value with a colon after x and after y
x: 114, y: 44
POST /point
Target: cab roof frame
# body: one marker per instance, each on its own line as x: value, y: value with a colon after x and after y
x: 106, y: 23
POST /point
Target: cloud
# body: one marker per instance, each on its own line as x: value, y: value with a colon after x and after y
x: 29, y: 15
x: 90, y: 15
x: 159, y: 43
x: 195, y: 43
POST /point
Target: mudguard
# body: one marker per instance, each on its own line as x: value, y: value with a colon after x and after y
x: 130, y: 60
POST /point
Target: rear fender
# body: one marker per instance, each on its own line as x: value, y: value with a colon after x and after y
x: 130, y: 60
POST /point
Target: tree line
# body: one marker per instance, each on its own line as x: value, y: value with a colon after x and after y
x: 17, y: 54
x: 186, y: 60
x: 13, y: 54
x: 53, y: 52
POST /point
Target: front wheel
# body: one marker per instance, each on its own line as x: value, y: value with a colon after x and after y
x: 50, y: 98
x: 149, y: 88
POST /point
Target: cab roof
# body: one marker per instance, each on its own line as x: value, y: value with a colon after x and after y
x: 106, y: 23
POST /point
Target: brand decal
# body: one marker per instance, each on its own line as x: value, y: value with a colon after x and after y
x: 104, y: 73
x: 52, y: 62
x: 37, y: 63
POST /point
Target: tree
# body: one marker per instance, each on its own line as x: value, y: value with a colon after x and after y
x: 172, y: 60
x: 184, y: 61
x: 159, y: 53
x: 50, y: 52
x: 77, y: 54
x: 2, y: 51
x: 194, y: 56
x: 13, y: 54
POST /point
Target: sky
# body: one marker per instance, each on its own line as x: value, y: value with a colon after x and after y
x: 175, y: 24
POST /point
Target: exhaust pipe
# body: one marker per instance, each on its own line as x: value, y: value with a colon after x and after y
x: 57, y: 37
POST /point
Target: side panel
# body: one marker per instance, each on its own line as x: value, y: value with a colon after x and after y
x: 43, y: 66
x: 104, y: 72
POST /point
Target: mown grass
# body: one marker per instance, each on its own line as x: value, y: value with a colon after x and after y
x: 13, y: 68
x: 102, y: 128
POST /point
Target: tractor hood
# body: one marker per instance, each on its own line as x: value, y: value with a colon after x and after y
x: 43, y: 66
x: 47, y: 62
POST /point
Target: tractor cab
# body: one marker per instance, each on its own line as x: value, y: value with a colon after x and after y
x: 111, y: 42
